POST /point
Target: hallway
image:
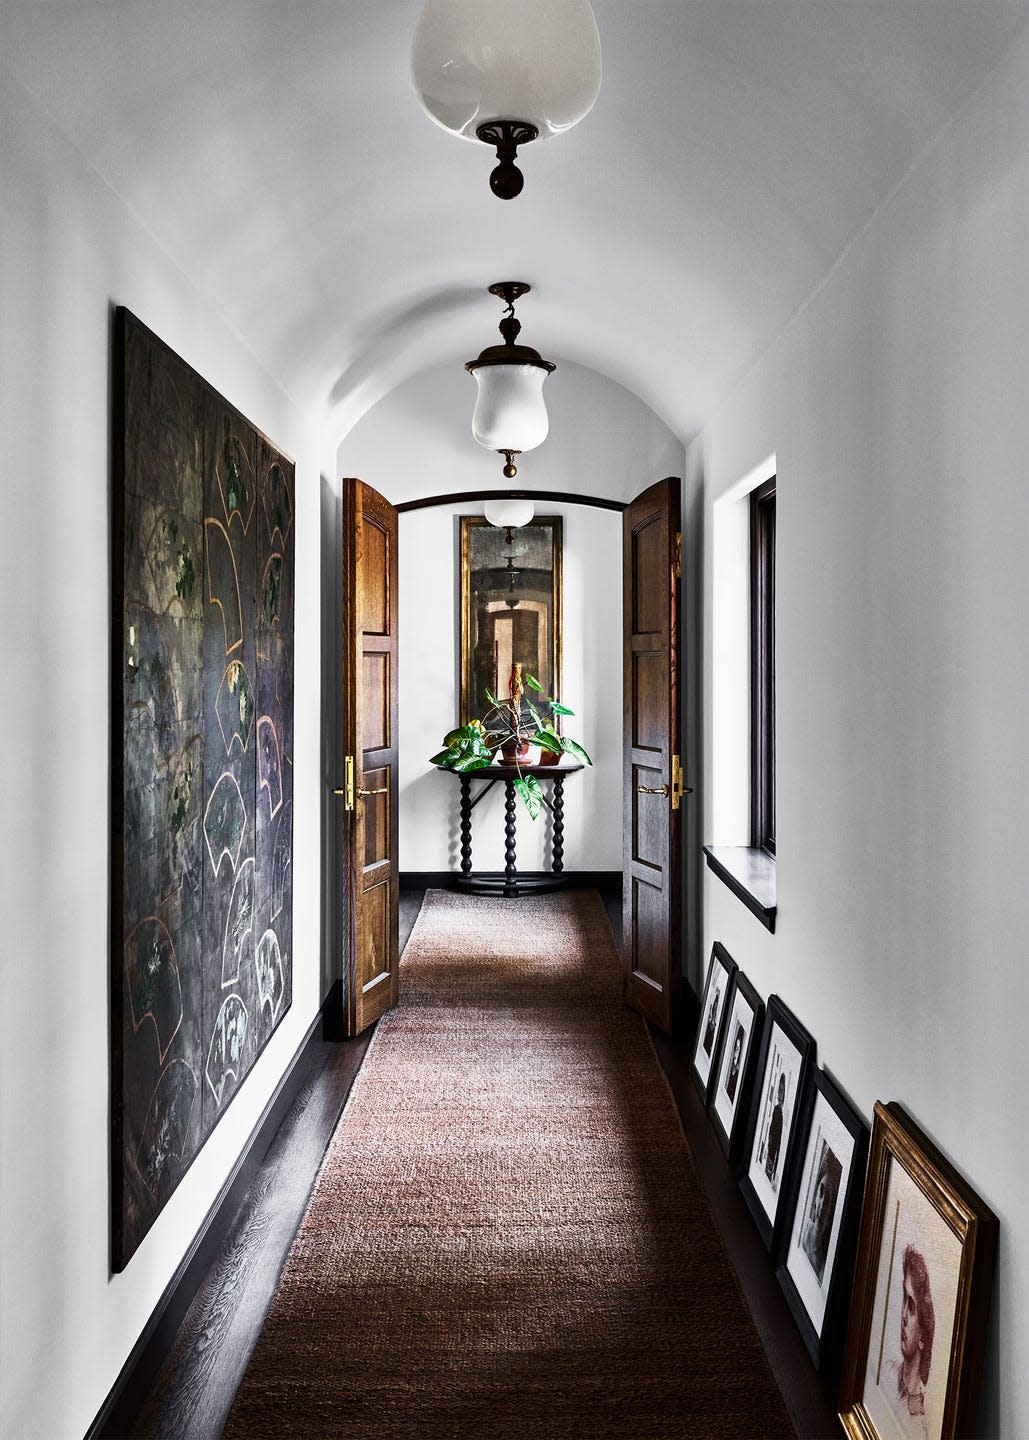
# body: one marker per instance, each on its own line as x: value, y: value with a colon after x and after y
x: 195, y: 1389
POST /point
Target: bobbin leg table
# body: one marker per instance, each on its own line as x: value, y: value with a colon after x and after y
x: 508, y: 881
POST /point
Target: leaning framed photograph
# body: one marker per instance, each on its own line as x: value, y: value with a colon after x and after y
x: 787, y: 1050
x: 712, y: 1015
x: 729, y: 1103
x: 922, y: 1288
x: 823, y: 1204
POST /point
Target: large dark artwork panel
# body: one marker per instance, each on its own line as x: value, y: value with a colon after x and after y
x: 202, y: 763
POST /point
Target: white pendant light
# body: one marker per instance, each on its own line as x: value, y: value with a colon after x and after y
x: 506, y: 72
x: 510, y: 414
x: 509, y: 514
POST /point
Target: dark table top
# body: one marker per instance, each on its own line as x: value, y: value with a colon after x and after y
x: 499, y: 771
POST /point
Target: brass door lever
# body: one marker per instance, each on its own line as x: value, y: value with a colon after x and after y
x: 649, y: 790
x: 383, y: 790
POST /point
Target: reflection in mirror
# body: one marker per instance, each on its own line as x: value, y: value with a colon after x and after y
x: 510, y: 607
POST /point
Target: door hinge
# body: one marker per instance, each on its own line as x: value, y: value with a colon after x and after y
x: 347, y: 792
x: 678, y: 555
x: 678, y: 788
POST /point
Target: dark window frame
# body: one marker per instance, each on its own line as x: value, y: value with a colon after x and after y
x: 762, y: 667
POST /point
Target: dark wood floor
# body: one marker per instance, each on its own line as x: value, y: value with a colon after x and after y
x: 193, y: 1392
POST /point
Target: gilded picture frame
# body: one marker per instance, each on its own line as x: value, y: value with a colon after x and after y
x: 922, y: 1288
x: 510, y: 607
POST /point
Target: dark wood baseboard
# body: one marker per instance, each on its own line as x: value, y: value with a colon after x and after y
x: 119, y: 1410
x: 608, y: 882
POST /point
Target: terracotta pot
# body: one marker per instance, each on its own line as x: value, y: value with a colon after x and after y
x: 550, y: 757
x: 512, y: 750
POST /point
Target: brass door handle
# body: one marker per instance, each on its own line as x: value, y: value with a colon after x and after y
x: 649, y: 790
x: 383, y: 790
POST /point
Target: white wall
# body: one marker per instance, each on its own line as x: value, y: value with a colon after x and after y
x: 417, y: 442
x: 897, y: 404
x: 69, y: 251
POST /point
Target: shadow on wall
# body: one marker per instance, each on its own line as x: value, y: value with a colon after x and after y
x: 379, y: 346
x: 331, y: 741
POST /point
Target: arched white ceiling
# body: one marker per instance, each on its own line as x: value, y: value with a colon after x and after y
x: 279, y: 155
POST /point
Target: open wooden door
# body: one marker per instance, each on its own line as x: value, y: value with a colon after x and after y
x: 652, y: 769
x: 371, y: 916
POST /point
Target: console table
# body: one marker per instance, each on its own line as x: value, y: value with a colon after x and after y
x: 509, y: 882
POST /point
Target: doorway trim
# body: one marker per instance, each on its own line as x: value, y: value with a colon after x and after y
x: 564, y: 497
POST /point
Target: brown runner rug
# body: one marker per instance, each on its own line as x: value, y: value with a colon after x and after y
x: 507, y: 1240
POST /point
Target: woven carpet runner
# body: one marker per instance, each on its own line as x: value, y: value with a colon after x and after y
x: 506, y: 1240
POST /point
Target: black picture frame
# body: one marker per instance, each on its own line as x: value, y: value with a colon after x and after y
x: 707, y: 1043
x: 822, y: 1208
x: 787, y: 1053
x: 729, y: 1101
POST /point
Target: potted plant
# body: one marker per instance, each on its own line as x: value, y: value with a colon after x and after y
x: 552, y: 744
x: 503, y: 728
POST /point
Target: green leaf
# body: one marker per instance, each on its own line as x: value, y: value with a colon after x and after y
x: 559, y: 709
x: 470, y: 762
x: 528, y: 788
x: 445, y: 757
x: 572, y: 747
x: 546, y: 740
x: 491, y: 698
x: 533, y: 683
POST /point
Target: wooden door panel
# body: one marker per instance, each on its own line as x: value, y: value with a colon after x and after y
x: 375, y: 823
x: 648, y: 605
x: 650, y: 943
x: 373, y: 587
x: 649, y: 689
x: 652, y: 884
x: 375, y: 701
x: 649, y: 826
x: 372, y: 940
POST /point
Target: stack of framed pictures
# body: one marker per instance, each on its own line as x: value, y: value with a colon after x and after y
x: 903, y: 1274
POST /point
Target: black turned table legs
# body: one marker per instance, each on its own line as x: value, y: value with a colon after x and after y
x: 508, y: 881
x: 559, y: 825
x: 466, y: 827
x: 510, y: 871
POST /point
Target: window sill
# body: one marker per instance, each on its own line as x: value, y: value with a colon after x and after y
x: 749, y: 874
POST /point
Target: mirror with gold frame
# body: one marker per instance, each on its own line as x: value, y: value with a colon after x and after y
x: 510, y: 607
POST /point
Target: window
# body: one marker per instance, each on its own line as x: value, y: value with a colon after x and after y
x: 742, y: 851
x: 762, y: 658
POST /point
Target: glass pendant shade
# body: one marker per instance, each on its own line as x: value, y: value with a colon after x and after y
x: 508, y: 514
x: 510, y: 413
x: 477, y: 61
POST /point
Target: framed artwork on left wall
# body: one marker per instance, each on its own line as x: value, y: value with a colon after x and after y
x: 202, y: 766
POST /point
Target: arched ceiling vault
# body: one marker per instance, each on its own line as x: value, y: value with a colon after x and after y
x: 279, y: 155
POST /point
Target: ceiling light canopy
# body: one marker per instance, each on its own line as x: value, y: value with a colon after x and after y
x: 510, y: 414
x: 506, y: 72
